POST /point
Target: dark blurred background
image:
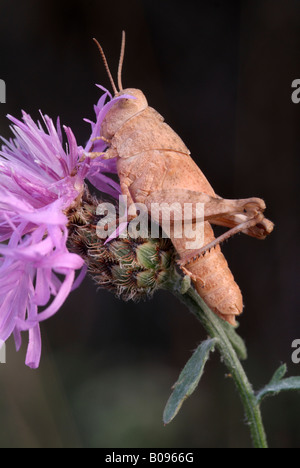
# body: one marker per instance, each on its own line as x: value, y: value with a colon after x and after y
x: 220, y: 72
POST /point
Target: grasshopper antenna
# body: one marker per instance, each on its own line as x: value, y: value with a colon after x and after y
x: 121, y: 62
x: 106, y: 66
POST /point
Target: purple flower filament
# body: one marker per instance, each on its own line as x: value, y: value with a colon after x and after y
x: 40, y: 181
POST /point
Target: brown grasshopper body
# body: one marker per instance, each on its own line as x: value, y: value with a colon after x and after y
x: 155, y: 166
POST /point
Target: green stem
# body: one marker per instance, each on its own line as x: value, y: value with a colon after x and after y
x: 213, y: 325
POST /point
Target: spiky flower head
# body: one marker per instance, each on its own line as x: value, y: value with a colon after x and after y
x: 47, y: 227
x: 130, y: 268
x: 40, y: 180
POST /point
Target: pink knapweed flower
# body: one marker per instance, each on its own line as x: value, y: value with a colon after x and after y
x: 41, y: 179
x: 39, y: 182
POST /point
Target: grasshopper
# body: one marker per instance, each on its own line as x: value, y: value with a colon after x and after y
x: 155, y: 166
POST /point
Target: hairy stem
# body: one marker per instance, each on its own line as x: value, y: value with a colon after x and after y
x: 213, y: 325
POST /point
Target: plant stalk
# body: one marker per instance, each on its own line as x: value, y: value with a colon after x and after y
x: 213, y: 325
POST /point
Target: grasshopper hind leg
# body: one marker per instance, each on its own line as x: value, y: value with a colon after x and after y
x: 187, y: 258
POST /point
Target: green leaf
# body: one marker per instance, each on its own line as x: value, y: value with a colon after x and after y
x: 185, y: 284
x: 235, y: 339
x: 275, y: 387
x: 188, y: 379
x: 279, y: 374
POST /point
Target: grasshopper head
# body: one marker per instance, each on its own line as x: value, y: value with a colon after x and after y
x: 123, y: 110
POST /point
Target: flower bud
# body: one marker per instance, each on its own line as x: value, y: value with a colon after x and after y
x: 130, y: 268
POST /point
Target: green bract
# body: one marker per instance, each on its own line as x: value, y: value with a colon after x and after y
x: 130, y: 268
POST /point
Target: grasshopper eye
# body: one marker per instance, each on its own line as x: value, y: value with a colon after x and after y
x: 124, y: 103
